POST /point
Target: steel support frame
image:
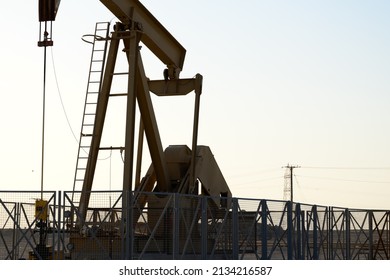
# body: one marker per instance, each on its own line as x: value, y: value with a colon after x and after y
x: 100, y: 116
x: 137, y: 91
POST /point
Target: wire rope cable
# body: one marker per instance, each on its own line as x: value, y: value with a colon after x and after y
x: 60, y: 97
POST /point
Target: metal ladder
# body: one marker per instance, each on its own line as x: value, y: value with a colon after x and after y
x: 99, y: 49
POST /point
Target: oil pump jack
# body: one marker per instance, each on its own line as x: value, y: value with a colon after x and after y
x: 177, y: 169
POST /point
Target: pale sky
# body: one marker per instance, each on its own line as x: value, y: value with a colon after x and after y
x: 285, y: 82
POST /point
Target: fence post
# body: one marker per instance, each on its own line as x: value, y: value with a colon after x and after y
x: 331, y: 233
x: 299, y: 232
x: 235, y: 238
x: 131, y: 225
x: 371, y: 238
x: 59, y: 224
x: 175, y: 230
x: 127, y: 221
x: 203, y: 235
x: 289, y: 231
x: 305, y: 231
x: 347, y: 234
x: 315, y: 233
x: 264, y: 230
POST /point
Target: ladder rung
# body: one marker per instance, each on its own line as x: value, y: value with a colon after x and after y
x: 88, y: 124
x: 97, y: 60
x: 94, y: 82
x: 120, y: 73
x: 118, y: 94
x: 91, y: 103
x: 110, y: 148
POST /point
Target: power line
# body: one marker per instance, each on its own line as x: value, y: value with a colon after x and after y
x: 258, y: 181
x: 345, y: 180
x: 347, y: 168
x: 254, y: 173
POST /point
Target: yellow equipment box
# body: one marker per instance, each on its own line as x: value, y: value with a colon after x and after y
x: 41, y: 209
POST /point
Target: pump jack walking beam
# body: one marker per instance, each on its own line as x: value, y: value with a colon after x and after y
x: 155, y: 37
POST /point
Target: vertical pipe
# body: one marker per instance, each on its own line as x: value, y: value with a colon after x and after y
x: 43, y: 114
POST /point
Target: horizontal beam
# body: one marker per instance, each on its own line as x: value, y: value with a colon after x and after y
x: 155, y: 36
x: 176, y: 86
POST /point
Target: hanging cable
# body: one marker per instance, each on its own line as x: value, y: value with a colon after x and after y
x: 61, y: 100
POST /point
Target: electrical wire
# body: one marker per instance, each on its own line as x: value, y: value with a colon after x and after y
x: 346, y: 168
x: 63, y: 106
x: 344, y: 180
x: 61, y: 100
x: 300, y: 188
x: 257, y: 181
x: 254, y: 173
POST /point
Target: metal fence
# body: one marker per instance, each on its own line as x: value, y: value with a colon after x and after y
x: 121, y: 225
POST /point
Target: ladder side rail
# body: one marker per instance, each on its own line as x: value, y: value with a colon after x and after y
x: 82, y: 148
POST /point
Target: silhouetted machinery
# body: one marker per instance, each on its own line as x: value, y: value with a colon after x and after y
x: 178, y: 169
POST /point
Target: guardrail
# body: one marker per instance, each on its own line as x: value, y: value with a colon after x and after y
x: 121, y: 225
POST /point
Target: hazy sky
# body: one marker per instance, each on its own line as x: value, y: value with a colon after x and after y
x: 301, y: 82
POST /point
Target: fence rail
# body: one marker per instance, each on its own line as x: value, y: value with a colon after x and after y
x: 121, y: 225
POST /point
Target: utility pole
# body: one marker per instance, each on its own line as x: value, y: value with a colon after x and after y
x: 289, y: 184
